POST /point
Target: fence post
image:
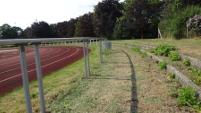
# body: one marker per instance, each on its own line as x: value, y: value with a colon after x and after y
x: 85, y: 60
x: 25, y: 78
x: 87, y: 53
x: 105, y: 41
x: 100, y: 45
x: 39, y: 76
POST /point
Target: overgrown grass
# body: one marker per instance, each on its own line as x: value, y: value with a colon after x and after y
x: 55, y: 85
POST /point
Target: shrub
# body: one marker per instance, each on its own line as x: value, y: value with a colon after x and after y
x: 194, y: 70
x: 162, y: 65
x: 187, y: 96
x: 195, y: 24
x: 172, y: 75
x: 175, y: 25
x: 174, y: 56
x: 187, y: 62
x: 136, y: 49
x: 163, y: 50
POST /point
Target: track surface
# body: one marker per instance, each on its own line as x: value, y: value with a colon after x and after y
x: 52, y: 59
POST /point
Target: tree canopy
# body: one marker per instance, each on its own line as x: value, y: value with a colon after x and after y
x: 119, y: 20
x: 105, y: 15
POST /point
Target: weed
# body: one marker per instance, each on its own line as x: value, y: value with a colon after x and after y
x: 174, y: 56
x: 187, y: 96
x: 172, y: 75
x: 187, y: 62
x: 33, y: 94
x: 194, y: 71
x: 163, y: 50
x: 196, y: 79
x: 136, y: 49
x: 149, y: 69
x: 144, y: 55
x: 162, y: 65
x: 173, y: 90
x: 107, y: 53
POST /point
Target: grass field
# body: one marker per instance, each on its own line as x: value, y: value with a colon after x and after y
x: 191, y: 47
x: 126, y: 82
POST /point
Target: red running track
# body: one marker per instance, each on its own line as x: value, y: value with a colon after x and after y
x: 52, y: 59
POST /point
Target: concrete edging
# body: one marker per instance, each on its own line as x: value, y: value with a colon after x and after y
x: 184, y: 80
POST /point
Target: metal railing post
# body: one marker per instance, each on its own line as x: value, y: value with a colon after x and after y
x: 85, y: 60
x: 101, y: 57
x: 25, y: 78
x: 105, y: 41
x: 88, y: 64
x: 39, y: 76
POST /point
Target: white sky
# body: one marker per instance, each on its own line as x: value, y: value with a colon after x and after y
x: 23, y: 13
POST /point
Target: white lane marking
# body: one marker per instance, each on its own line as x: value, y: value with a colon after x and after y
x: 42, y: 66
x: 17, y: 57
x: 32, y: 55
x: 2, y: 51
x: 34, y: 63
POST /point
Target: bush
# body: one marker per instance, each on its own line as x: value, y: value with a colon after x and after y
x: 194, y: 71
x: 175, y: 25
x: 187, y: 62
x: 162, y: 65
x: 187, y: 96
x: 172, y: 75
x: 163, y: 50
x: 136, y: 49
x: 174, y: 56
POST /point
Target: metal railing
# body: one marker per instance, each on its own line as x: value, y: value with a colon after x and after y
x: 22, y: 43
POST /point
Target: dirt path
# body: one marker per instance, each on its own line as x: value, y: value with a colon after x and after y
x: 127, y: 82
x: 143, y: 88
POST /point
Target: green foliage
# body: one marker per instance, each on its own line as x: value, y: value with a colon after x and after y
x: 194, y: 71
x: 163, y: 49
x: 173, y: 90
x: 105, y: 17
x: 6, y: 32
x: 33, y: 94
x: 162, y: 65
x: 84, y: 26
x: 174, y: 25
x: 187, y: 62
x: 187, y: 96
x: 172, y: 75
x: 41, y: 30
x: 136, y: 49
x: 141, y: 19
x: 71, y: 27
x: 174, y: 56
x: 120, y: 30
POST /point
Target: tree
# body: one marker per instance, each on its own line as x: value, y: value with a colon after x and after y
x: 71, y: 27
x: 140, y: 20
x: 105, y: 16
x: 62, y: 29
x: 84, y: 26
x: 28, y: 32
x: 41, y: 30
x: 6, y: 32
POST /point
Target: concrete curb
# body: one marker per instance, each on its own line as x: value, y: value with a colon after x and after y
x: 185, y: 81
x: 194, y: 62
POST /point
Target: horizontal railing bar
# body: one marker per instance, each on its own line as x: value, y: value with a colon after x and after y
x: 41, y: 40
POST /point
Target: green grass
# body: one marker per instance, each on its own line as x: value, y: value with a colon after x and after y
x: 183, y: 42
